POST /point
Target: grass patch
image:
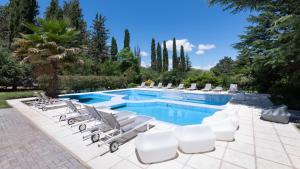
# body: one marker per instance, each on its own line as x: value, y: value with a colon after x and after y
x: 13, y: 95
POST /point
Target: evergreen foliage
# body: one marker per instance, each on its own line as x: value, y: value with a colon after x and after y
x: 4, y: 27
x: 159, y: 58
x: 127, y: 39
x: 182, y: 59
x: 165, y: 58
x: 174, y: 56
x: 114, y: 48
x: 153, y: 54
x: 54, y: 11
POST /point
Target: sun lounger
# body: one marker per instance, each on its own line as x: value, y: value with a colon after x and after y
x: 169, y: 86
x: 195, y: 138
x: 75, y: 114
x: 233, y: 88
x: 218, y: 89
x: 223, y: 129
x: 159, y: 85
x: 152, y: 85
x: 276, y: 114
x: 221, y: 115
x: 155, y: 147
x: 193, y: 86
x: 142, y: 85
x: 180, y: 87
x: 48, y: 103
x: 207, y: 87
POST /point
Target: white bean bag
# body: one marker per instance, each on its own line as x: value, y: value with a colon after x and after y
x: 155, y: 147
x: 195, y: 138
x: 221, y: 115
x: 223, y: 129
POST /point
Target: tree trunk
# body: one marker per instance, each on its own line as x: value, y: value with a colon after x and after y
x: 52, y: 90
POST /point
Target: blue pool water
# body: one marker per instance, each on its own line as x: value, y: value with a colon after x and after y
x: 172, y: 113
x: 211, y: 99
x: 88, y: 98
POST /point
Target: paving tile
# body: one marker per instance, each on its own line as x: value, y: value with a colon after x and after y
x: 183, y: 158
x: 240, y: 159
x: 244, y: 138
x: 241, y: 147
x: 290, y: 141
x: 133, y: 158
x: 274, y: 145
x: 106, y: 161
x: 292, y: 150
x: 226, y: 165
x: 168, y: 164
x: 272, y: 155
x: 295, y: 161
x: 265, y: 164
x: 200, y: 161
x: 125, y: 164
x: 217, y: 153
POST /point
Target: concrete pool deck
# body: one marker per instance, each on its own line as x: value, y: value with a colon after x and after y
x: 258, y: 144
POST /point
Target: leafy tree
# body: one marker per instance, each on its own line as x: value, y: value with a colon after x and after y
x: 127, y: 60
x: 174, y: 56
x: 73, y: 12
x: 153, y: 54
x: 188, y: 63
x: 137, y: 53
x: 54, y: 11
x: 114, y: 48
x: 225, y: 66
x: 127, y: 39
x: 182, y: 59
x: 47, y: 48
x: 159, y: 58
x: 98, y: 45
x: 4, y: 28
x: 165, y: 58
x: 21, y: 11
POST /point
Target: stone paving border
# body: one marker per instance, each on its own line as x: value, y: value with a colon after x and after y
x: 23, y: 145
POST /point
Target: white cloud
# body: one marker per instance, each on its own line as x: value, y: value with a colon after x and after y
x: 203, y: 47
x: 144, y: 64
x: 143, y: 53
x: 181, y: 42
x: 206, y: 67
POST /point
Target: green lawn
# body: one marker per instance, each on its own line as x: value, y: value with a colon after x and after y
x: 13, y: 95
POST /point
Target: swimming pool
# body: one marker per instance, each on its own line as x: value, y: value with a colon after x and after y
x: 171, y: 113
x: 88, y: 98
x: 211, y: 99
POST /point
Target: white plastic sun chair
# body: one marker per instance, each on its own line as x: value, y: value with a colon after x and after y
x: 207, y: 87
x: 142, y: 85
x: 277, y: 114
x: 218, y: 89
x: 153, y: 147
x: 180, y: 87
x: 75, y: 114
x: 169, y: 86
x: 195, y: 138
x: 159, y: 85
x: 113, y: 136
x: 233, y: 88
x: 152, y: 85
x: 221, y: 115
x: 223, y: 129
x: 193, y: 87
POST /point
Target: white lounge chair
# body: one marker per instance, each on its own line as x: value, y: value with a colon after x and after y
x: 180, y: 86
x: 193, y: 86
x: 218, y: 89
x: 169, y: 86
x: 155, y: 147
x: 159, y: 85
x: 195, y: 138
x: 233, y: 88
x: 221, y: 115
x: 143, y: 84
x: 49, y: 103
x: 223, y: 129
x: 74, y: 114
x: 152, y: 85
x: 207, y: 87
x: 277, y: 114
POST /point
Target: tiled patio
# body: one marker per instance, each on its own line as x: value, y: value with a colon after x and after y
x: 258, y: 144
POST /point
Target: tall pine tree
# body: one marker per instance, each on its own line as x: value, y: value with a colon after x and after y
x: 188, y: 63
x: 113, y: 49
x: 127, y: 39
x: 54, y: 11
x: 159, y: 58
x: 153, y: 54
x: 73, y: 12
x: 21, y: 11
x: 4, y: 19
x: 98, y: 45
x: 165, y: 58
x: 182, y: 59
x: 174, y: 56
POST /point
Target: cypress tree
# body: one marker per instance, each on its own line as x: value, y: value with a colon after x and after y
x: 98, y: 46
x: 174, y: 57
x: 127, y: 39
x: 182, y: 59
x: 73, y: 12
x: 114, y: 48
x: 21, y: 11
x: 153, y: 54
x: 159, y: 58
x: 54, y: 11
x: 4, y: 28
x: 165, y: 58
x: 188, y: 64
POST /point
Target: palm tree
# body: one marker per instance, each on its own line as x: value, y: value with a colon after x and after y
x: 48, y: 47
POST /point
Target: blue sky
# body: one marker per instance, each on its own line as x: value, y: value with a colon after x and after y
x: 207, y: 32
